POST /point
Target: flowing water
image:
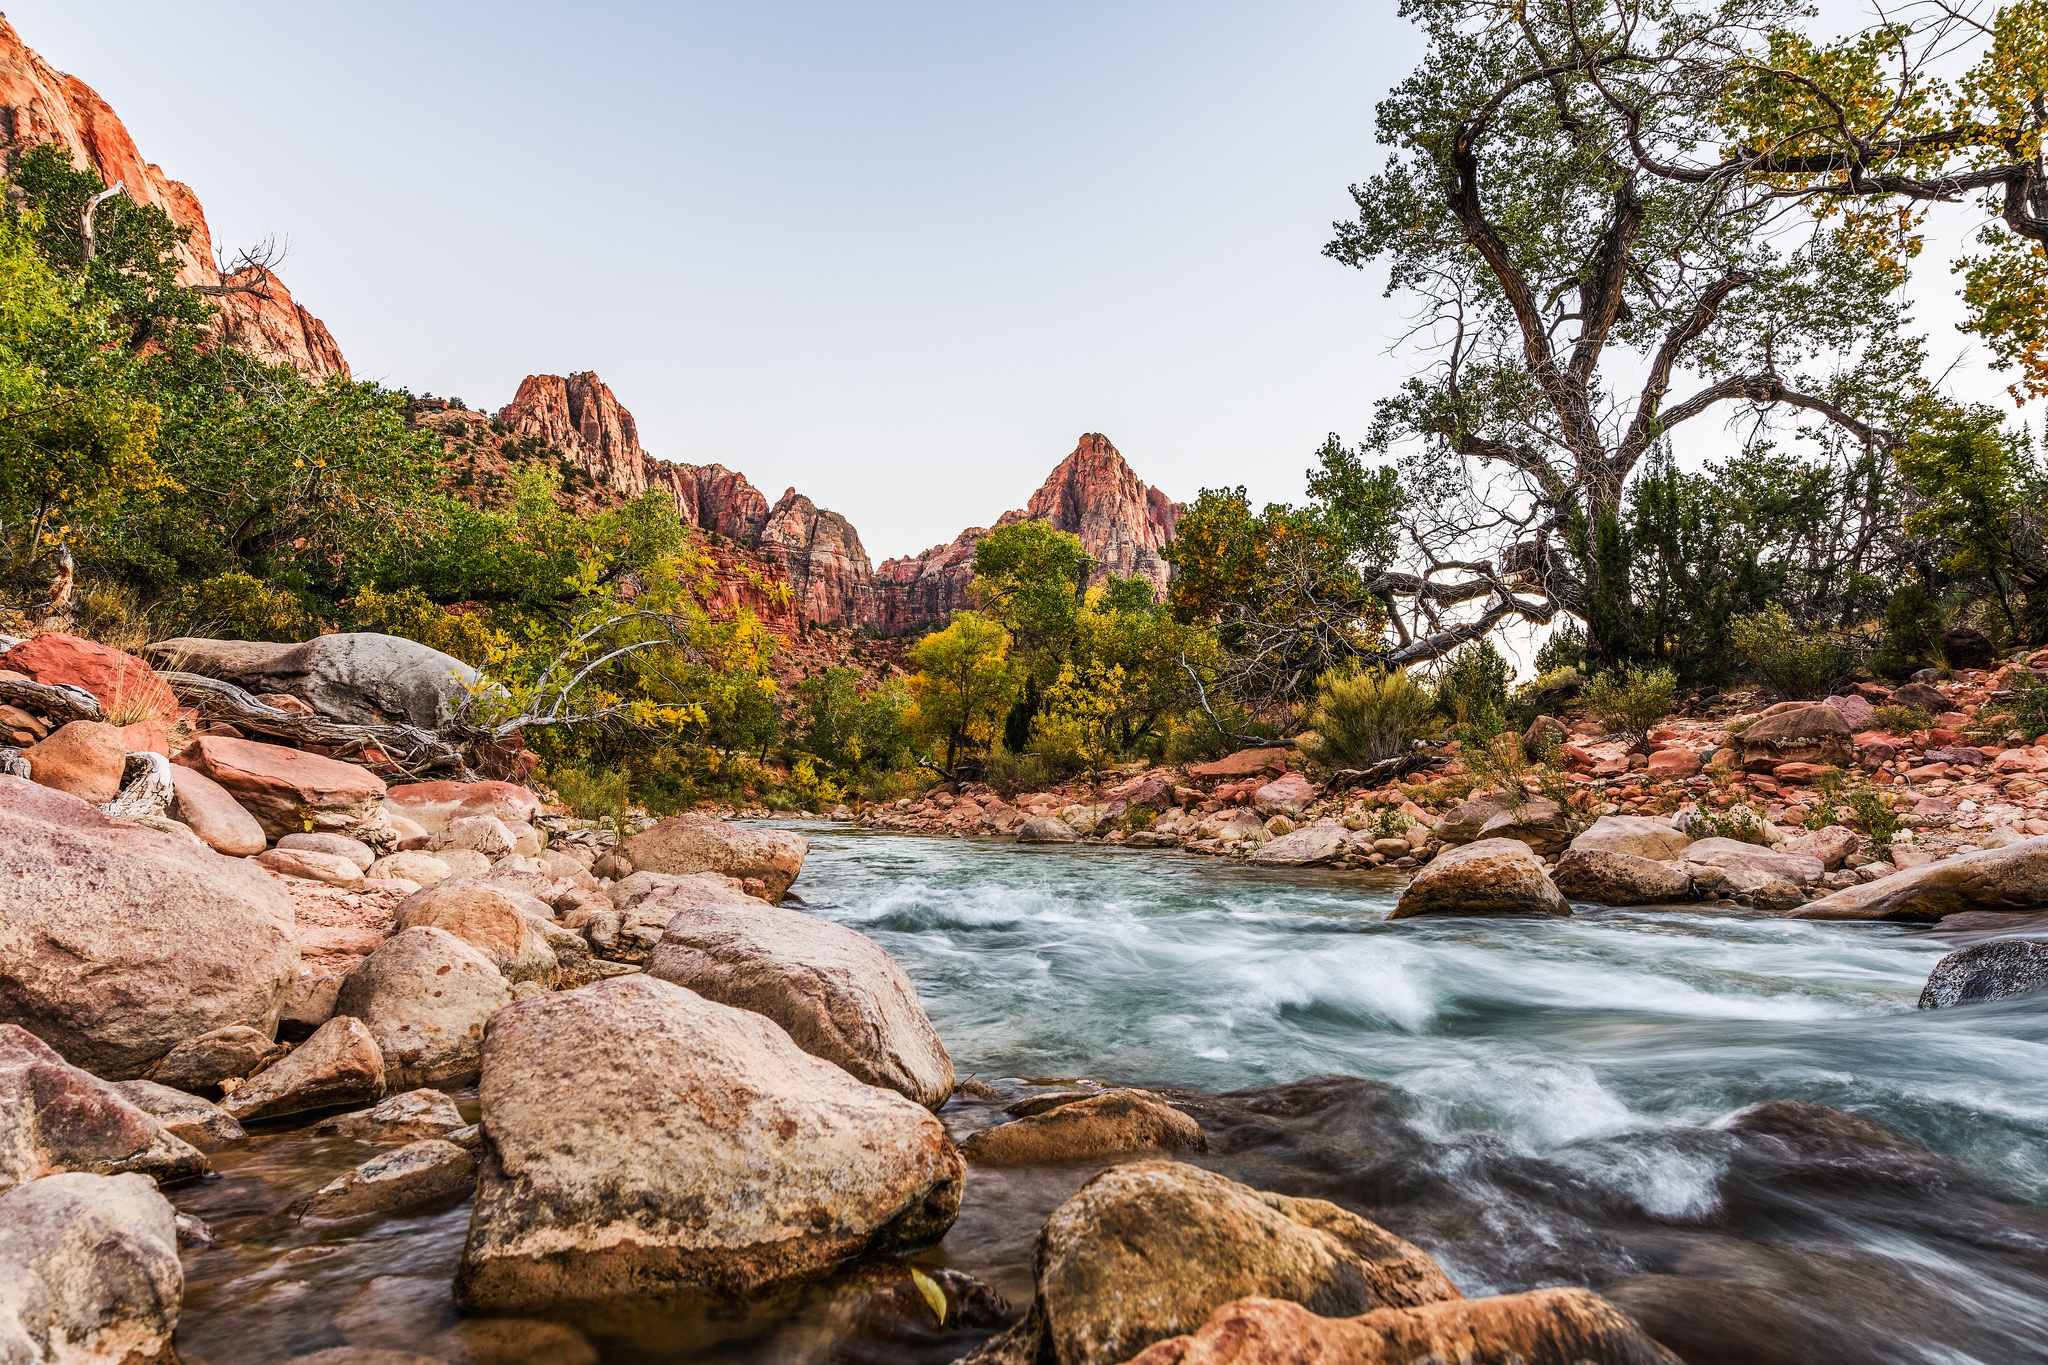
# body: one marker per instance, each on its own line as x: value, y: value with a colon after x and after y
x: 1533, y: 1102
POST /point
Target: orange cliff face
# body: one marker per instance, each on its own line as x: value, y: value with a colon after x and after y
x: 40, y: 104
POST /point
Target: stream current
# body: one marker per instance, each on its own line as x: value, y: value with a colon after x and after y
x: 1533, y: 1102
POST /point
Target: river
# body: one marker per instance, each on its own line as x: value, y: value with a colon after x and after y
x: 1533, y: 1102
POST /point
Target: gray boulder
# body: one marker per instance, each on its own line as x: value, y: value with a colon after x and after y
x: 1047, y: 829
x: 1733, y: 868
x: 1304, y: 847
x: 89, y: 1272
x: 1635, y: 835
x: 2011, y: 878
x: 55, y: 1117
x: 358, y: 677
x: 1604, y: 878
x: 1987, y: 971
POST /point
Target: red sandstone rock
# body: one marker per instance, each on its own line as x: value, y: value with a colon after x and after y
x: 286, y: 790
x: 1094, y: 495
x: 1243, y: 763
x: 1673, y: 763
x: 84, y: 758
x: 123, y: 684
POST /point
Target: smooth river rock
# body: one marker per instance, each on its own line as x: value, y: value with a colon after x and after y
x: 184, y: 1116
x: 406, y: 1117
x: 340, y: 1064
x: 488, y: 919
x: 83, y: 759
x: 1304, y: 847
x: 200, y: 1064
x: 416, y: 1173
x: 644, y: 1140
x: 1594, y: 874
x: 1537, y: 822
x: 55, y: 1117
x: 698, y: 843
x: 1148, y: 1250
x: 1735, y: 868
x: 1046, y: 829
x: 1490, y: 877
x: 1085, y: 1127
x: 118, y: 942
x: 2011, y: 878
x: 1987, y: 971
x: 210, y: 811
x: 834, y: 991
x: 425, y: 996
x: 1635, y: 835
x: 89, y: 1272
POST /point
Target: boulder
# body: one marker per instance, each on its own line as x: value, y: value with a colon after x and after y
x: 1085, y: 1128
x: 1672, y: 763
x: 200, y: 1064
x: 1636, y: 835
x: 187, y: 1117
x: 1537, y: 822
x: 55, y: 1117
x: 1967, y: 647
x: 1243, y: 763
x: 421, y: 869
x: 425, y: 995
x: 309, y: 1003
x: 89, y: 1272
x: 212, y: 813
x: 486, y: 834
x: 1807, y: 733
x: 1304, y: 847
x: 698, y: 843
x: 1855, y: 711
x: 1987, y: 971
x: 118, y: 942
x: 2011, y: 878
x: 416, y: 1173
x: 1544, y: 733
x: 340, y: 1064
x: 775, y: 1167
x: 358, y: 677
x: 1604, y: 878
x: 489, y: 919
x: 1490, y: 877
x: 837, y: 994
x: 121, y: 683
x: 334, y: 845
x: 1148, y: 1250
x: 1229, y: 826
x: 1287, y: 794
x: 1831, y: 845
x: 311, y: 866
x: 1046, y: 829
x: 433, y: 805
x: 406, y: 1117
x: 1921, y: 697
x: 1731, y: 867
x: 287, y: 790
x: 464, y: 862
x: 1574, y: 1326
x: 84, y: 758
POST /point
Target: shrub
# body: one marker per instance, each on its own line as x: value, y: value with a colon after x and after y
x: 1870, y: 814
x: 1565, y: 649
x: 1365, y: 716
x: 1012, y: 773
x: 1913, y: 622
x: 1901, y: 720
x: 1799, y: 663
x: 2029, y: 704
x: 1738, y: 822
x: 238, y: 606
x: 1630, y: 699
x: 1472, y: 688
x: 592, y: 796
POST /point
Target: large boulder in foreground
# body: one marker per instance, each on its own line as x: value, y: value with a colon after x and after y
x: 1814, y: 733
x: 117, y: 942
x: 1541, y: 1327
x: 54, y: 1117
x: 89, y: 1272
x: 289, y: 791
x: 698, y: 843
x: 1148, y: 1250
x: 1604, y: 878
x: 1985, y: 972
x: 1490, y: 877
x: 357, y: 676
x: 834, y: 991
x: 2011, y: 878
x: 645, y: 1140
x: 425, y: 996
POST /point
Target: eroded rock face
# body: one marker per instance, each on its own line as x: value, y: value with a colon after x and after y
x: 1086, y: 1127
x: 1987, y: 971
x: 1489, y: 877
x: 1544, y: 1325
x: 1635, y: 835
x: 340, y: 1064
x: 89, y: 1272
x: 1148, y: 1250
x: 776, y: 1166
x: 684, y: 844
x: 287, y: 790
x: 835, y: 992
x: 1619, y: 878
x: 1801, y: 734
x: 118, y: 942
x: 425, y: 996
x: 55, y: 1117
x: 360, y: 677
x: 2011, y: 878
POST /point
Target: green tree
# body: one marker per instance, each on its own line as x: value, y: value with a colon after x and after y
x: 964, y: 685
x: 1981, y: 494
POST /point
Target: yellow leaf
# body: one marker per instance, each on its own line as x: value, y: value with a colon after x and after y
x: 933, y: 1295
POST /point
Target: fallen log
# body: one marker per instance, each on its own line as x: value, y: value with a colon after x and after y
x: 60, y: 702
x: 1385, y: 771
x: 418, y: 754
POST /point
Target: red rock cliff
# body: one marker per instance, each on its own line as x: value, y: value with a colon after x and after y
x: 39, y: 104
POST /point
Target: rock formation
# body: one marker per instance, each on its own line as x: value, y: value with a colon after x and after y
x: 40, y: 104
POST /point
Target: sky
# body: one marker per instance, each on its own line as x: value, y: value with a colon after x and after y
x: 898, y: 256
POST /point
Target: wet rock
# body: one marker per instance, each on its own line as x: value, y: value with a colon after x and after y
x: 835, y: 992
x: 1733, y: 868
x: 513, y: 1341
x: 365, y: 1355
x: 1986, y: 972
x: 1490, y: 877
x: 1819, y: 1146
x: 697, y: 843
x: 488, y: 919
x: 83, y: 759
x: 425, y: 995
x: 1636, y: 835
x: 1710, y: 1321
x: 315, y: 867
x: 360, y: 677
x: 1536, y: 822
x: 184, y: 1116
x: 340, y: 1064
x: 1799, y: 734
x: 2011, y: 878
x: 1046, y: 829
x: 1148, y: 1250
x: 117, y: 942
x: 433, y: 805
x: 884, y: 1314
x: 200, y: 1064
x: 1544, y: 1325
x: 55, y: 1117
x: 89, y: 1272
x: 1619, y: 878
x: 1288, y: 794
x: 421, y: 869
x: 1304, y: 847
x: 416, y: 1173
x: 776, y: 1166
x: 406, y: 1117
x: 334, y: 845
x: 1084, y: 1127
x: 210, y: 812
x: 287, y: 790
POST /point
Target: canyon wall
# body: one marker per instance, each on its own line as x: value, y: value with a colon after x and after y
x: 39, y: 103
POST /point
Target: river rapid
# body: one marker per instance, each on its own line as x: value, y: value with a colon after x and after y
x: 1533, y: 1102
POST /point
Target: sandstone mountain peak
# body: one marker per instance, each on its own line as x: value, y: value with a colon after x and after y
x: 39, y: 103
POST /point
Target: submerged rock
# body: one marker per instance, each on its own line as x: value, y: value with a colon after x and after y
x: 1490, y: 877
x: 2011, y: 878
x: 775, y: 1166
x: 1986, y: 972
x: 1087, y: 1126
x: 89, y: 1272
x: 55, y: 1117
x: 400, y: 1118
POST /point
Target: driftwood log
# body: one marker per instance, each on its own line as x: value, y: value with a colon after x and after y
x: 60, y: 702
x: 1384, y: 771
x: 419, y: 754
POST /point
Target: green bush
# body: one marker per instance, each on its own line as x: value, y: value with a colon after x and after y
x: 1365, y: 716
x: 592, y: 796
x: 1631, y: 699
x: 1565, y: 649
x: 1012, y: 773
x: 1871, y: 815
x: 238, y: 606
x: 1472, y: 688
x: 2029, y: 705
x: 1913, y: 622
x: 1799, y: 663
x: 1901, y: 720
